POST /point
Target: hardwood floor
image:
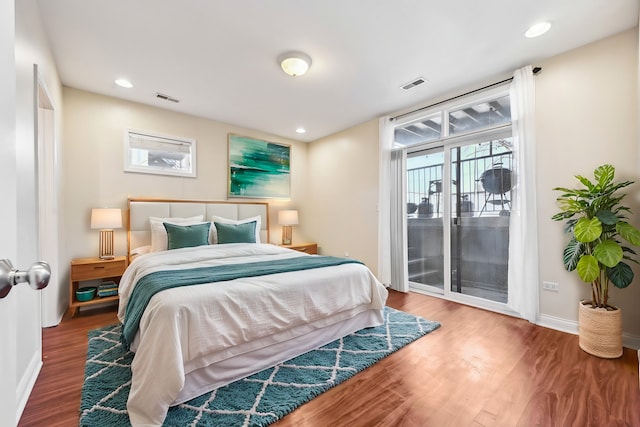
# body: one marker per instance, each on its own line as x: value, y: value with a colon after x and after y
x: 478, y: 369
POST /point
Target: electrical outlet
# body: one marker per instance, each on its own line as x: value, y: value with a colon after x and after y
x: 346, y: 253
x: 550, y: 286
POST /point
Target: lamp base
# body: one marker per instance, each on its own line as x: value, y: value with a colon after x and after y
x: 286, y: 235
x: 106, y: 244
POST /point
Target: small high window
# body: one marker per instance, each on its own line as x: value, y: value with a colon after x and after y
x: 157, y: 154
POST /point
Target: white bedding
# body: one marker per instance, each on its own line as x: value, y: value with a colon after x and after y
x: 185, y: 329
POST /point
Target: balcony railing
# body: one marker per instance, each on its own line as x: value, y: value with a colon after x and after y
x: 425, y: 189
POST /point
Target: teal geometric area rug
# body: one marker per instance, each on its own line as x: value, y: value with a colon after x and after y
x: 258, y: 400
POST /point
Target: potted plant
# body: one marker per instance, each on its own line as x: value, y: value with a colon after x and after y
x: 598, y: 251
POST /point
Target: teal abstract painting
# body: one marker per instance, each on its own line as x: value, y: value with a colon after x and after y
x: 259, y: 168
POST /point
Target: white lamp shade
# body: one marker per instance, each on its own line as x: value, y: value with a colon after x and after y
x: 106, y: 219
x: 288, y: 217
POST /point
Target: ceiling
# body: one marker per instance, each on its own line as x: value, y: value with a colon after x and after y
x: 218, y: 58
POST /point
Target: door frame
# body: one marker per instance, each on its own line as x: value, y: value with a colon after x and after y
x: 47, y: 185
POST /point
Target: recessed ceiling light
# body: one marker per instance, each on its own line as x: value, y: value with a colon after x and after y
x: 301, y: 130
x: 537, y: 29
x: 124, y: 83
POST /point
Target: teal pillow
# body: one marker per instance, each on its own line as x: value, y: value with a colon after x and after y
x: 236, y: 233
x: 186, y: 236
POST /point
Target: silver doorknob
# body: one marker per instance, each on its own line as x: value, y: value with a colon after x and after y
x: 37, y: 276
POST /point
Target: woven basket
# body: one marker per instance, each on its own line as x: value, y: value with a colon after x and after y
x: 600, y: 331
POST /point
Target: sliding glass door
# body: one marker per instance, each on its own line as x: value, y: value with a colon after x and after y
x: 458, y: 204
x: 463, y: 218
x: 481, y: 193
x: 425, y: 220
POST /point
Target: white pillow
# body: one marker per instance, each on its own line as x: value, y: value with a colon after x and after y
x: 214, y: 232
x: 141, y: 250
x: 159, y: 240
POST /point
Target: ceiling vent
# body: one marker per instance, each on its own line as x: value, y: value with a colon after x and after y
x: 166, y: 97
x: 416, y: 82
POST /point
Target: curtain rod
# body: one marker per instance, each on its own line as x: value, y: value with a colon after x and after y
x: 536, y: 70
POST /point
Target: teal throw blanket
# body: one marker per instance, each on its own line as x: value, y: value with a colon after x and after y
x: 158, y: 281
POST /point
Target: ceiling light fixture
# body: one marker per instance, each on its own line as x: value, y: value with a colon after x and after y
x: 301, y: 130
x: 537, y: 29
x: 294, y: 63
x: 124, y: 83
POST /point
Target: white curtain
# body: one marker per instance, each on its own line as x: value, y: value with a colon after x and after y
x: 523, y: 227
x: 392, y: 266
x: 384, y: 200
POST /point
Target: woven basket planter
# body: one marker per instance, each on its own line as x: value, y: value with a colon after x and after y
x: 600, y: 331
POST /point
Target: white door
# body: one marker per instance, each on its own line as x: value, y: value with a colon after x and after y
x: 20, y: 332
x: 8, y: 217
x: 8, y: 214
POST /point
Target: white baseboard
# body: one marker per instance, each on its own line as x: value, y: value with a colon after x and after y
x: 26, y: 383
x: 631, y: 341
x: 571, y: 327
x: 558, y: 323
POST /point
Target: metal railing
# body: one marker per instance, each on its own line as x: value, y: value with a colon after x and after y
x: 424, y: 188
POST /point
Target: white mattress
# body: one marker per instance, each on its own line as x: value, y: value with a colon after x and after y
x: 186, y: 330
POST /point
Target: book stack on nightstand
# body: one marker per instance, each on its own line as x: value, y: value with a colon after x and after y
x: 108, y: 289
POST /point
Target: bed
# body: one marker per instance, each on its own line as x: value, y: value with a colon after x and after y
x: 201, y: 316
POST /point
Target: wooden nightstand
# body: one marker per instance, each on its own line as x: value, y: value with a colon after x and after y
x: 93, y: 269
x: 309, y: 248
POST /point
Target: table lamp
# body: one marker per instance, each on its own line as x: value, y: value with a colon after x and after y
x: 287, y: 218
x: 106, y: 220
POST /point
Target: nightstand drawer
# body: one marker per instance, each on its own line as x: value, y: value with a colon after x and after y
x: 309, y: 248
x: 98, y: 269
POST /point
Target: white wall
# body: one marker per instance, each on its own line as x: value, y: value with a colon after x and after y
x: 32, y: 47
x: 93, y: 169
x: 343, y: 180
x: 587, y: 114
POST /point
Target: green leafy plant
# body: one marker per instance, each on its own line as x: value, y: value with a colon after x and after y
x: 599, y: 232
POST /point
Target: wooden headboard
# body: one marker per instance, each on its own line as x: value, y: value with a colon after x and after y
x: 140, y: 209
